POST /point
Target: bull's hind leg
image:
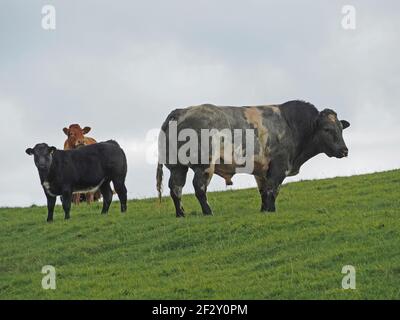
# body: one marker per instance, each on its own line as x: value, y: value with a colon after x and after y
x: 120, y: 189
x: 107, y: 194
x: 176, y: 182
x: 201, y: 180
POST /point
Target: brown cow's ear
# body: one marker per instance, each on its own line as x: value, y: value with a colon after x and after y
x: 345, y: 124
x: 86, y: 130
x: 29, y: 151
x: 66, y: 131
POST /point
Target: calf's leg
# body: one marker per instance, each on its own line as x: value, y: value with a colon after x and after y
x: 51, y: 202
x: 176, y: 182
x: 120, y: 189
x: 66, y: 203
x: 106, y: 191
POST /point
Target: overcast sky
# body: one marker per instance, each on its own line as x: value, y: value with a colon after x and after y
x: 122, y: 66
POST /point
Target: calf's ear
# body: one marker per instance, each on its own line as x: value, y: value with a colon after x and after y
x: 86, y: 130
x: 345, y: 124
x: 29, y: 151
x: 66, y: 131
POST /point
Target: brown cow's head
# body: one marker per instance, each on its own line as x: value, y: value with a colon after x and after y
x: 76, y: 135
x: 330, y: 134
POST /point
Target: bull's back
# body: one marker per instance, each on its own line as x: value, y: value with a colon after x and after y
x: 197, y: 117
x: 208, y: 116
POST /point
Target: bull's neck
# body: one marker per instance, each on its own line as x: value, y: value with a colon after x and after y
x: 305, y: 151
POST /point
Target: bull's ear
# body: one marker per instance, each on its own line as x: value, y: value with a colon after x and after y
x: 345, y: 124
x: 52, y: 149
x: 86, y: 130
x: 66, y: 131
x: 29, y: 151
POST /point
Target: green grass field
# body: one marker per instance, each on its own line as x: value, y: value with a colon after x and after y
x: 239, y: 253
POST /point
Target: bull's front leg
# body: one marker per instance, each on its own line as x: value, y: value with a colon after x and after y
x: 269, y: 185
x: 262, y: 189
x: 66, y: 202
x: 51, y: 202
x: 270, y: 198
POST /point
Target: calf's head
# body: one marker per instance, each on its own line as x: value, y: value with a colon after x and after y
x: 76, y: 135
x: 43, y: 156
x: 329, y: 134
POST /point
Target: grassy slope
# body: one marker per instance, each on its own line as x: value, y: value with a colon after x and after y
x: 238, y: 253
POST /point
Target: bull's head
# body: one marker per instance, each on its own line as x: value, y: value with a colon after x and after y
x: 76, y: 134
x: 329, y: 134
x: 42, y: 155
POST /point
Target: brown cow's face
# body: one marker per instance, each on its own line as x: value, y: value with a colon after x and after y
x: 330, y: 134
x: 76, y: 135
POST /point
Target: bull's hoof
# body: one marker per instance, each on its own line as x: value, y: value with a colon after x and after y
x: 208, y: 213
x: 180, y: 212
x: 67, y: 217
x: 49, y: 220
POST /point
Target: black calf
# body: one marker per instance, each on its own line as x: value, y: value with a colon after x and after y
x: 87, y: 169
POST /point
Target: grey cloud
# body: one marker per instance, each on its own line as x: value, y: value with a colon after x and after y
x: 121, y: 68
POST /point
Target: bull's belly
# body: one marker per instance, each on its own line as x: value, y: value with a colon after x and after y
x: 227, y: 171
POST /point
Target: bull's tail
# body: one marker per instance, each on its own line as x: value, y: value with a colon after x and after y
x: 159, y: 180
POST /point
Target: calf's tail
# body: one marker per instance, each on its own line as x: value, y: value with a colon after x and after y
x: 159, y: 180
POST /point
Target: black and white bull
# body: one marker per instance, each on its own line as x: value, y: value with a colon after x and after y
x: 87, y: 169
x: 285, y: 137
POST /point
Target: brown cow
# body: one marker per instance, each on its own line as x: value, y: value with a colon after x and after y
x: 75, y: 140
x: 76, y: 137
